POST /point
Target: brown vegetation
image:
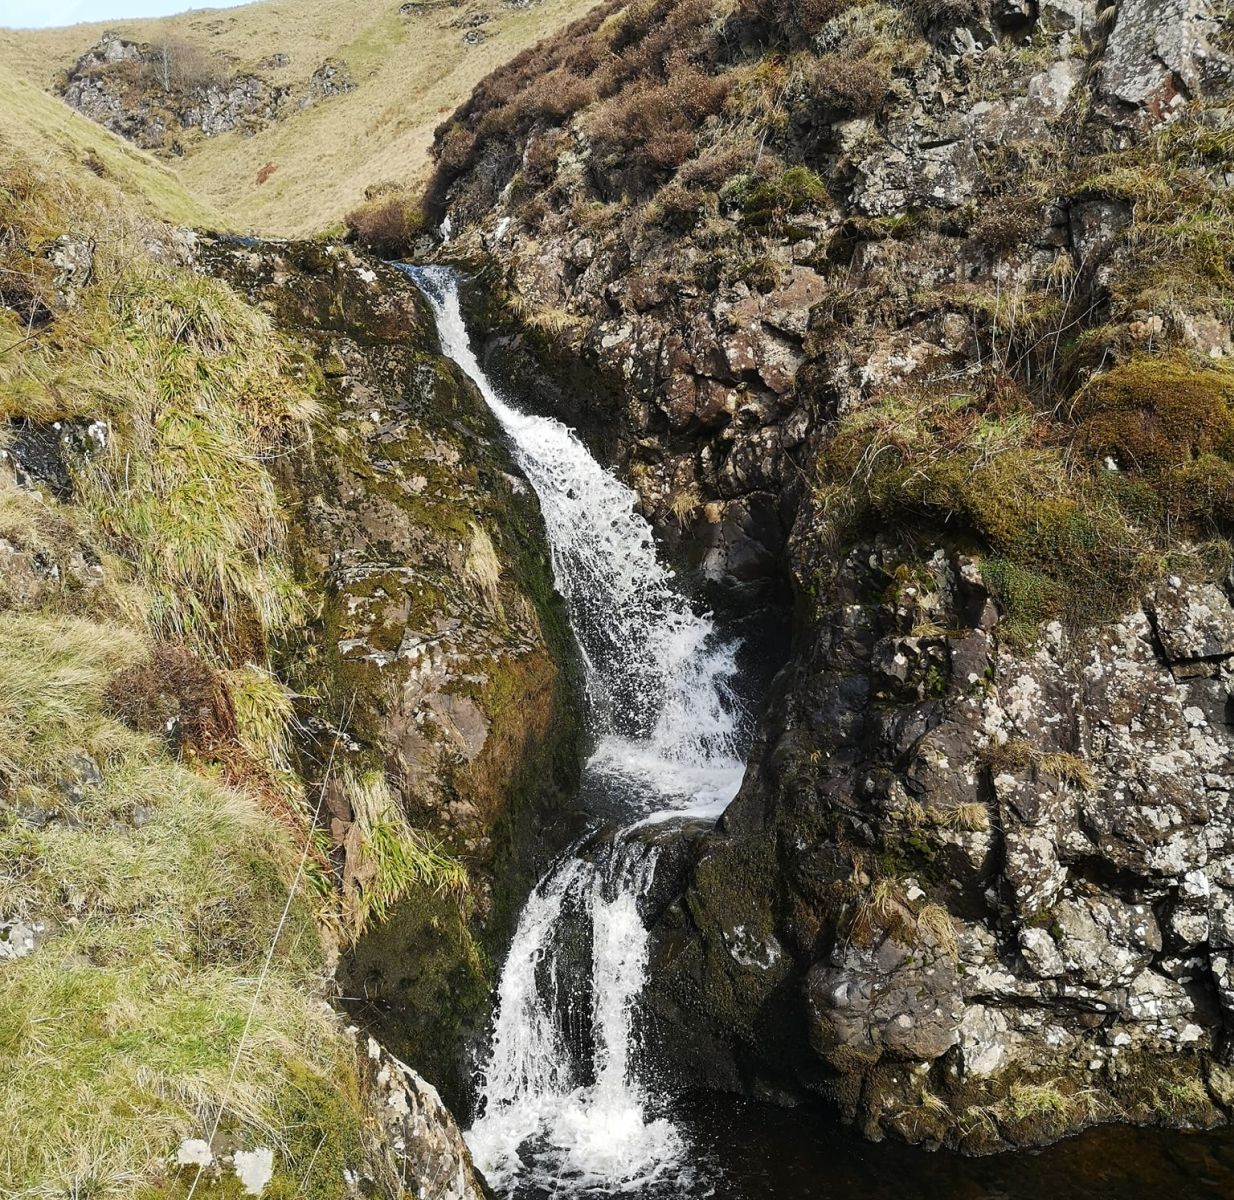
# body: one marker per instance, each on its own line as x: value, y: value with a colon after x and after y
x: 174, y: 694
x: 181, y: 66
x: 388, y: 224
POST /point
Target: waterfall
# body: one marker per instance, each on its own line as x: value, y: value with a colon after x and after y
x: 556, y: 1116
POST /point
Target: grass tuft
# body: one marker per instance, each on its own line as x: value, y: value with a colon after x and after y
x: 387, y: 859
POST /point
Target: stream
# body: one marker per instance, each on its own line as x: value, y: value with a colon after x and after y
x: 567, y: 1106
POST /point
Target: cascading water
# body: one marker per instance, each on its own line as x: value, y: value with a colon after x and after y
x: 554, y: 1116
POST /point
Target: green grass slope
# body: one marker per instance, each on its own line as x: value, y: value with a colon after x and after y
x: 39, y: 123
x: 167, y: 922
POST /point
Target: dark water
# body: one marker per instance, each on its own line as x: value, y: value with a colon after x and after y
x: 758, y: 1152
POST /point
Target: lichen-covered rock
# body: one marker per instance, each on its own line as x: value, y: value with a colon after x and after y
x: 1019, y: 870
x: 981, y: 856
x: 420, y: 1145
x: 1159, y: 56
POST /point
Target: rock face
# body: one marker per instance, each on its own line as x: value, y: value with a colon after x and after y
x: 1160, y: 56
x: 440, y: 659
x: 974, y: 889
x: 995, y: 869
x: 161, y: 95
x: 419, y: 1136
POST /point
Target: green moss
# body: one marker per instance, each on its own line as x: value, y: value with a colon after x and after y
x: 1156, y: 411
x: 769, y: 203
x: 1055, y: 543
x: 420, y: 981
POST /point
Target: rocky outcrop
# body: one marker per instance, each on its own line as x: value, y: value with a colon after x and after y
x: 439, y: 661
x: 996, y: 869
x: 419, y: 1138
x: 908, y: 341
x: 161, y: 95
x: 711, y: 295
x: 411, y: 1142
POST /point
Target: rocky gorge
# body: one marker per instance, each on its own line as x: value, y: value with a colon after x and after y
x: 891, y: 302
x: 748, y: 615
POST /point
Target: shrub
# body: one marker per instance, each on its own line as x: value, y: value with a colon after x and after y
x: 651, y: 128
x: 387, y: 226
x: 179, y: 66
x: 795, y: 20
x: 843, y: 86
x: 455, y: 149
x: 947, y: 12
x: 679, y: 208
x: 176, y: 695
x: 768, y: 203
x: 717, y: 167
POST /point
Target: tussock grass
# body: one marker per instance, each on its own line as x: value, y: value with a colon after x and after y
x: 194, y: 390
x: 1069, y: 769
x: 160, y: 891
x: 182, y: 486
x: 388, y: 859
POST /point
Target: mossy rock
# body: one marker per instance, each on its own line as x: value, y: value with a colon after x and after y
x: 1156, y: 412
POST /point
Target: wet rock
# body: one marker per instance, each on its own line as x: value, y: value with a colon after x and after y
x: 439, y: 622
x: 888, y: 999
x: 1086, y: 762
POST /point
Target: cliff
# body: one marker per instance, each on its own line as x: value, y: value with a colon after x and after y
x: 925, y: 307
x: 282, y: 674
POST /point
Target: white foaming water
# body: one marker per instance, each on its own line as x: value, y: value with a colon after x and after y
x: 665, y: 718
x: 544, y: 1127
x: 657, y: 675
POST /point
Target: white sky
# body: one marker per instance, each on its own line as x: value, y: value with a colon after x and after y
x: 29, y: 14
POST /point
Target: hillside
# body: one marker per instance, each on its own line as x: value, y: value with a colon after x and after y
x: 29, y: 117
x: 797, y: 450
x: 194, y: 705
x: 409, y: 69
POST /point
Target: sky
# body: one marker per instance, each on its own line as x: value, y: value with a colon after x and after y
x: 27, y: 14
